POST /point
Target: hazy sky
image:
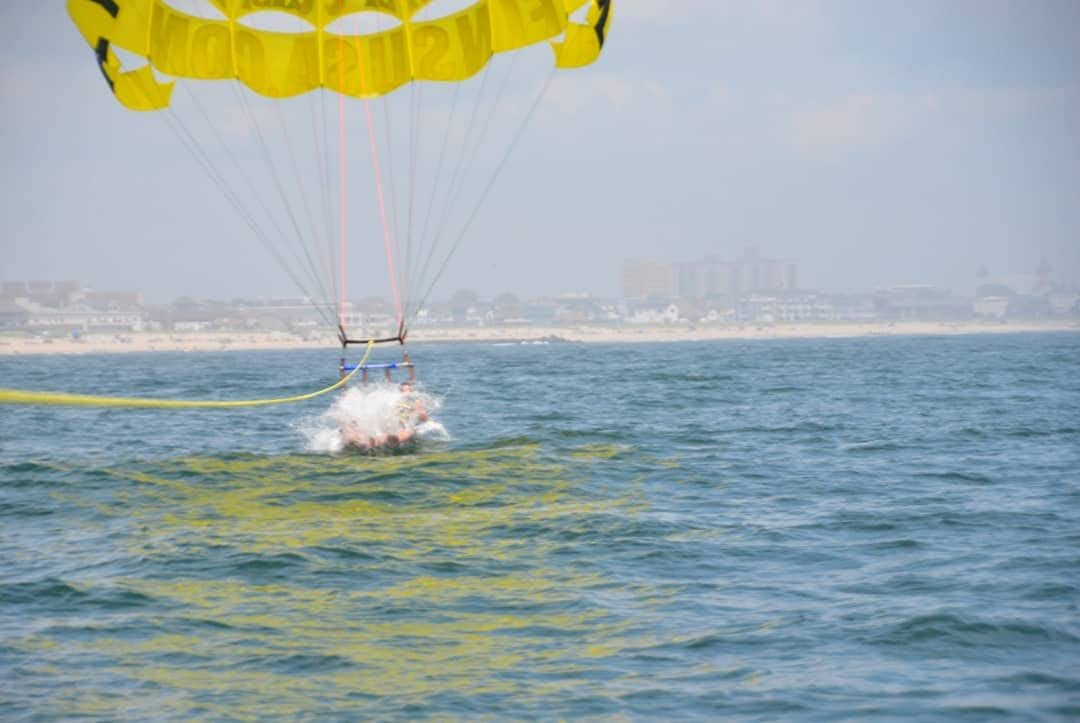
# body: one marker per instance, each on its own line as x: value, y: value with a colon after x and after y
x: 877, y: 143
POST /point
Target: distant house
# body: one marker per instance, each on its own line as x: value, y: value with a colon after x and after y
x: 921, y: 302
x: 12, y: 315
x: 992, y: 307
x: 1064, y: 302
x: 189, y: 326
x: 716, y: 315
x: 646, y: 313
x: 82, y: 318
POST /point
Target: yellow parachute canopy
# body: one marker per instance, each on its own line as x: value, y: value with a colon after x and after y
x: 281, y: 65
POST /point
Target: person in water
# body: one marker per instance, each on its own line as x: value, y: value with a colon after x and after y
x: 410, y: 413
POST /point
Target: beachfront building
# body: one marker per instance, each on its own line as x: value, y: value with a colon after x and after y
x: 710, y: 277
x: 919, y: 302
x: 67, y: 306
x: 1026, y: 296
x: 748, y: 274
x: 78, y: 317
x: 805, y: 307
x: 647, y: 280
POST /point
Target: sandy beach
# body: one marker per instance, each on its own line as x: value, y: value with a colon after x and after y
x: 13, y: 344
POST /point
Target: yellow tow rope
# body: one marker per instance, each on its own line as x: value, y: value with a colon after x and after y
x: 18, y: 396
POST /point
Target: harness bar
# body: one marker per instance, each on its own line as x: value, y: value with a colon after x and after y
x: 346, y: 341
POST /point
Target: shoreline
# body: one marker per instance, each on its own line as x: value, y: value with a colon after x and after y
x: 139, y: 342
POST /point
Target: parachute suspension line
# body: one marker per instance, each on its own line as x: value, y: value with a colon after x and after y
x: 235, y: 162
x: 324, y: 188
x: 491, y: 182
x: 421, y: 248
x: 202, y: 158
x: 382, y: 213
x: 500, y: 94
x: 397, y: 205
x: 316, y: 246
x: 322, y: 159
x: 414, y: 146
x: 18, y: 396
x: 450, y: 198
x: 403, y: 290
x: 395, y: 226
x: 328, y: 198
x: 438, y: 172
x: 420, y: 274
x: 342, y: 236
x: 276, y: 177
x: 380, y: 196
x: 464, y: 163
x: 302, y: 258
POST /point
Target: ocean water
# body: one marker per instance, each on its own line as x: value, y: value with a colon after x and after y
x: 825, y: 529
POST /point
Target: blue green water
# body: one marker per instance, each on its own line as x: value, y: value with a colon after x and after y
x: 760, y: 529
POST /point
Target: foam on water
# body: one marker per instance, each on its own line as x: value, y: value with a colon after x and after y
x: 369, y: 411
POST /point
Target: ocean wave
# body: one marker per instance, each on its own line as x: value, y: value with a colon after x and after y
x: 953, y: 631
x: 57, y: 596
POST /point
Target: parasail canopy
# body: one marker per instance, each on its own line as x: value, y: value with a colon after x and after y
x: 281, y: 65
x: 144, y: 48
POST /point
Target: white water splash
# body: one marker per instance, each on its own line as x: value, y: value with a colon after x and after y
x: 371, y: 411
